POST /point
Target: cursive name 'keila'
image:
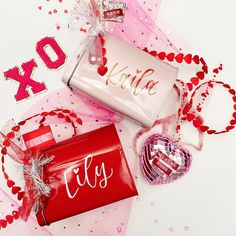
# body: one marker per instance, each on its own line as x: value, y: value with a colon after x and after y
x: 98, y: 179
x: 138, y: 82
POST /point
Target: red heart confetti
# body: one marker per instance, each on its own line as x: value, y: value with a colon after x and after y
x: 15, y: 214
x: 204, y: 128
x: 162, y: 55
x: 195, y: 80
x: 196, y: 59
x: 11, y: 135
x: 22, y: 122
x: 188, y: 58
x: 73, y: 115
x: 197, y: 122
x: 3, y: 223
x: 232, y: 91
x: 233, y: 122
x: 216, y: 71
x: 205, y: 69
x: 102, y: 70
x: 234, y: 115
x: 190, y: 117
x: 102, y: 40
x: 190, y: 86
x: 68, y: 119
x: 153, y: 53
x: 10, y: 183
x: 179, y: 58
x: 9, y: 219
x: 6, y: 143
x: 228, y: 128
x: 20, y: 195
x: 4, y: 151
x: 16, y: 128
x: 104, y: 61
x: 211, y: 131
x: 170, y: 56
x: 104, y: 51
x: 61, y: 115
x: 15, y: 189
x: 79, y: 121
x: 200, y: 75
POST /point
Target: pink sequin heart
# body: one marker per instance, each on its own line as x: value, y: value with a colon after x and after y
x: 164, y: 161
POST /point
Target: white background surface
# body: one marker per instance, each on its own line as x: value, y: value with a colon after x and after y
x: 203, y: 202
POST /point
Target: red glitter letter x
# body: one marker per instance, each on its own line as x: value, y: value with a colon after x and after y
x: 25, y: 80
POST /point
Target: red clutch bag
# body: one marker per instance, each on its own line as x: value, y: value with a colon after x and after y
x: 87, y: 172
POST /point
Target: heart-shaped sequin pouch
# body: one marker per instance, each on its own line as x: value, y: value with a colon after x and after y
x: 163, y: 160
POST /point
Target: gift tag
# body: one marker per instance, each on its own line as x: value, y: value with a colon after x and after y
x: 114, y: 11
x: 39, y: 138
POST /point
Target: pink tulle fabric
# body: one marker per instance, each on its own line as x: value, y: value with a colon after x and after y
x: 140, y: 29
x: 108, y: 220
